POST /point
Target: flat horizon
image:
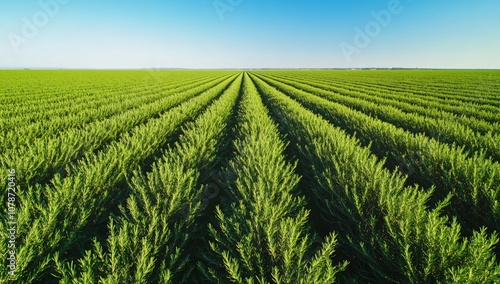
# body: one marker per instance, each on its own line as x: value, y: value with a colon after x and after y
x: 243, y: 69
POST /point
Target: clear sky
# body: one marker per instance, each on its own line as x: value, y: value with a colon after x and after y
x: 249, y: 33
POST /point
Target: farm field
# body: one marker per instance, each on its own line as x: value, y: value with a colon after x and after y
x: 260, y: 176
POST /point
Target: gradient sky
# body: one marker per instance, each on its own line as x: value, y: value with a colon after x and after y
x: 249, y: 34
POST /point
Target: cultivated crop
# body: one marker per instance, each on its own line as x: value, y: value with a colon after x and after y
x: 279, y: 176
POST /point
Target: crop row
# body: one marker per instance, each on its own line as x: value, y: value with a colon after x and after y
x: 25, y: 129
x: 441, y: 129
x: 54, y: 217
x: 389, y: 233
x: 260, y: 233
x: 476, y: 87
x: 43, y: 157
x: 46, y: 111
x: 148, y: 242
x: 406, y: 102
x: 474, y: 181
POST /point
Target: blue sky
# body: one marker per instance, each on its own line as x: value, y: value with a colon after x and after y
x: 249, y: 34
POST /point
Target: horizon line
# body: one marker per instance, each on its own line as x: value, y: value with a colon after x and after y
x: 249, y: 68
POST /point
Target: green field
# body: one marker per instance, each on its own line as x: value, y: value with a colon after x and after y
x: 279, y: 176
